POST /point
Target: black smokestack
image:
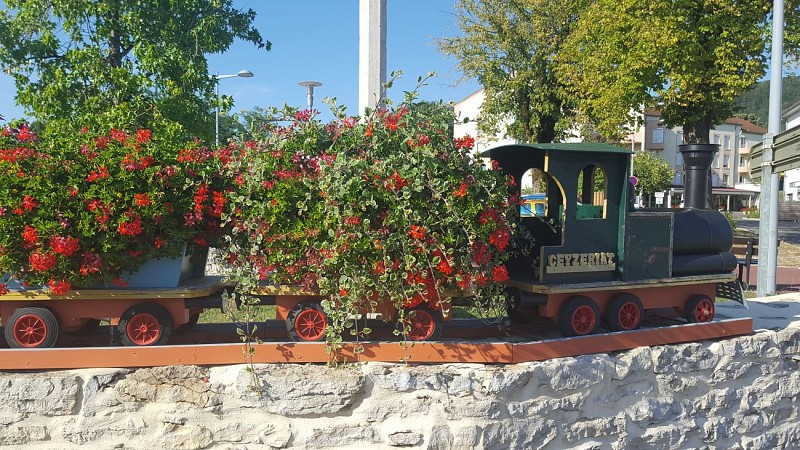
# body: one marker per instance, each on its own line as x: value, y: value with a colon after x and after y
x: 697, y: 160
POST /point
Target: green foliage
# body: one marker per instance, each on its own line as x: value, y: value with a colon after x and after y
x: 509, y: 47
x: 654, y: 173
x: 731, y: 220
x: 120, y: 64
x: 383, y: 210
x: 689, y: 58
x: 752, y: 213
x: 83, y: 208
x: 755, y: 101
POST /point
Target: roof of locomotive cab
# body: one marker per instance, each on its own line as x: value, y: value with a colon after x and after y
x: 589, y: 147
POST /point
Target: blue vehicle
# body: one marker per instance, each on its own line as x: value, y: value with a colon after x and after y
x: 533, y: 205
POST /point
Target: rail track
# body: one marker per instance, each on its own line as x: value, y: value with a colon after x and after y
x: 217, y: 344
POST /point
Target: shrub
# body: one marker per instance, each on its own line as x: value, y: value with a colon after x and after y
x: 384, y: 208
x: 82, y: 208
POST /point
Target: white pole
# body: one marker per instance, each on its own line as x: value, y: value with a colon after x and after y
x: 371, y: 53
x: 770, y: 182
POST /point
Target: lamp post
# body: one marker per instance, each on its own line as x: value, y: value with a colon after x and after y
x: 310, y: 85
x: 243, y: 74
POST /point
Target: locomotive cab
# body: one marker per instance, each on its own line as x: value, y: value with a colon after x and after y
x: 578, y: 239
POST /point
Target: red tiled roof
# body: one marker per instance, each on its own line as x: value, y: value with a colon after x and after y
x: 747, y: 126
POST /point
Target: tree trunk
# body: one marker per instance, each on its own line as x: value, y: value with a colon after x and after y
x: 697, y: 132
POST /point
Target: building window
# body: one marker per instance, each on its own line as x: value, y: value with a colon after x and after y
x: 741, y: 179
x: 741, y: 161
x: 726, y: 142
x: 725, y: 160
x: 679, y: 177
x: 679, y: 139
x: 725, y: 180
x: 742, y: 142
x: 658, y: 136
x: 716, y: 139
x: 678, y: 159
x: 716, y: 161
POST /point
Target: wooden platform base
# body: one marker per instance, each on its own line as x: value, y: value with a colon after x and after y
x: 424, y: 352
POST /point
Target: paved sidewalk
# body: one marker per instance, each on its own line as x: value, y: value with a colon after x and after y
x: 769, y: 313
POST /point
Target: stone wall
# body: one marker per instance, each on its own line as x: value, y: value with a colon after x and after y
x: 736, y: 393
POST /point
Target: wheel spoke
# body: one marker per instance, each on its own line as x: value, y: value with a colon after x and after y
x: 583, y: 320
x: 310, y: 324
x: 144, y: 329
x: 629, y: 316
x: 30, y: 330
x: 421, y: 325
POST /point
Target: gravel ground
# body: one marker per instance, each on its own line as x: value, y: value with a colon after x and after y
x: 788, y: 255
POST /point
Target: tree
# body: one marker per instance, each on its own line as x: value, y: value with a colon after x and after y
x: 508, y: 45
x: 755, y: 101
x: 125, y: 63
x: 654, y: 173
x: 688, y: 58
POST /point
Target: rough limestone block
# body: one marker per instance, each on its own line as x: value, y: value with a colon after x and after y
x: 377, y: 409
x: 459, y: 408
x: 404, y: 438
x: 113, y: 429
x: 174, y: 384
x: 580, y: 372
x: 341, y: 435
x: 22, y: 434
x: 592, y: 428
x: 467, y: 437
x: 294, y: 390
x: 684, y: 358
x: 511, y: 381
x: 48, y: 394
x: 182, y: 437
x: 520, y: 433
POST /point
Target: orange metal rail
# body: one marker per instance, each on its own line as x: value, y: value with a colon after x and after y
x: 421, y: 352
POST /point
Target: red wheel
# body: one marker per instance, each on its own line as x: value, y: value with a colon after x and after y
x: 578, y: 316
x: 624, y: 313
x: 145, y: 324
x: 307, y: 322
x: 699, y: 309
x: 421, y: 323
x: 31, y: 327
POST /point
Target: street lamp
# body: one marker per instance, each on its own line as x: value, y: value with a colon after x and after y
x: 310, y: 85
x: 243, y: 74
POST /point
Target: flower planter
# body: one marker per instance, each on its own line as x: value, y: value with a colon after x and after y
x: 169, y: 272
x: 156, y: 273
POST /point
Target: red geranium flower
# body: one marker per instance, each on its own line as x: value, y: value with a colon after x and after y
x: 42, y: 261
x: 142, y: 199
x: 29, y: 235
x: 500, y: 273
x: 417, y: 232
x: 59, y: 287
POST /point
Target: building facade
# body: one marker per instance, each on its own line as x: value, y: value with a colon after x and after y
x: 791, y: 178
x: 730, y: 173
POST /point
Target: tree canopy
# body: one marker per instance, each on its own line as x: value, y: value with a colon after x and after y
x: 509, y: 45
x: 124, y: 62
x: 654, y: 173
x: 688, y: 58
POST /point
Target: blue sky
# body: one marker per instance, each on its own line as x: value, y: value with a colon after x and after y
x: 318, y: 40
